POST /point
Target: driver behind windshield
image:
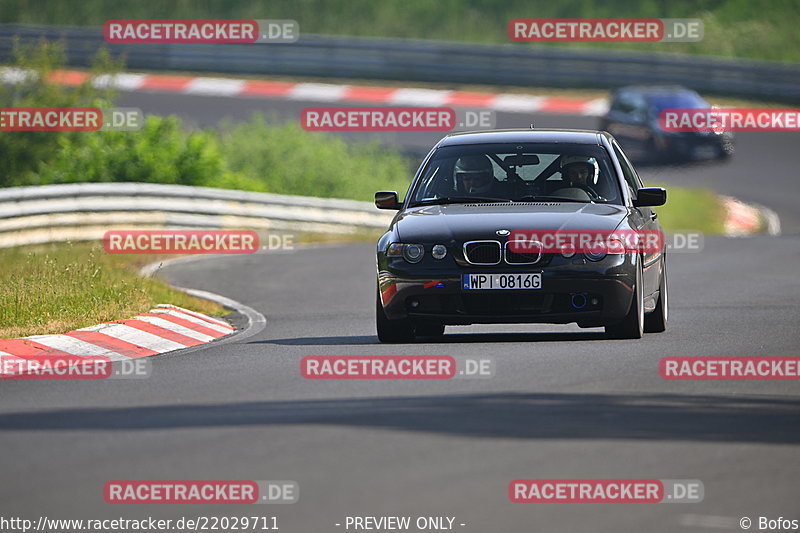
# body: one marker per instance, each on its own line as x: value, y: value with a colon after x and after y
x: 475, y: 176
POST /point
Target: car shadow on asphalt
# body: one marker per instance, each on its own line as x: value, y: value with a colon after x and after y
x: 703, y: 418
x: 448, y: 338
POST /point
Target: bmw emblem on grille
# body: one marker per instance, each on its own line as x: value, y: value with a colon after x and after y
x: 503, y: 233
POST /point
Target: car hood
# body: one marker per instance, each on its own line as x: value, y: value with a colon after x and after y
x: 463, y: 222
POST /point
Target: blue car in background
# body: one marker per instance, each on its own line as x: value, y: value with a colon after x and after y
x: 633, y: 119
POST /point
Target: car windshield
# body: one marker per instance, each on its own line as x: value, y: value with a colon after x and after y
x: 687, y: 100
x: 517, y: 173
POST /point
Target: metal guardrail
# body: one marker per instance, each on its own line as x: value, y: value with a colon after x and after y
x: 433, y: 61
x: 85, y: 211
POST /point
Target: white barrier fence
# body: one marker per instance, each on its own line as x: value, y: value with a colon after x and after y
x: 85, y: 211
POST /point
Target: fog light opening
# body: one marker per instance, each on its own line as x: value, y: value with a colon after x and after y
x: 579, y: 300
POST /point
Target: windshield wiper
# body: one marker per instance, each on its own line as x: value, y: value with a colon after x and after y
x: 460, y: 200
x: 532, y: 198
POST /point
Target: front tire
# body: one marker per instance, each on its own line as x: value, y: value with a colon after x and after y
x: 632, y: 326
x: 392, y: 331
x: 656, y: 322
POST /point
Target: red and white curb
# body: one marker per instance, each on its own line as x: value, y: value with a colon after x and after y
x: 163, y: 329
x: 325, y: 92
x: 745, y: 219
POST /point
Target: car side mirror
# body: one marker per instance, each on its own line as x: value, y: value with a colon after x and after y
x: 387, y: 200
x: 650, y: 197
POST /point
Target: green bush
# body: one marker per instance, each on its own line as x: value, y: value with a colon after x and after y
x: 161, y: 152
x: 24, y: 152
x: 254, y: 156
x: 287, y: 159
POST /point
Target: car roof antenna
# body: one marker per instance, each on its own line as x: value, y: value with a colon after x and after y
x: 531, y: 125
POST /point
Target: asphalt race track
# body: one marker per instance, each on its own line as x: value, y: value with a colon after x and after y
x: 564, y: 403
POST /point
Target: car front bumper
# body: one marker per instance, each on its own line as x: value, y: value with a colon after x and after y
x: 438, y: 296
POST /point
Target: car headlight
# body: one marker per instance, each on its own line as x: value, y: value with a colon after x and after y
x: 413, y: 253
x: 568, y: 251
x: 439, y: 251
x: 410, y: 252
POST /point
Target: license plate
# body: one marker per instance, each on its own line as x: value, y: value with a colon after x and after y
x: 477, y: 282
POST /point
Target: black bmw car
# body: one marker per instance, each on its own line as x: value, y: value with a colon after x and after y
x: 522, y: 226
x: 633, y: 118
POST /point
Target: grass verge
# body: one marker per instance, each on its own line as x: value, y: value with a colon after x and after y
x: 692, y: 209
x: 60, y: 287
